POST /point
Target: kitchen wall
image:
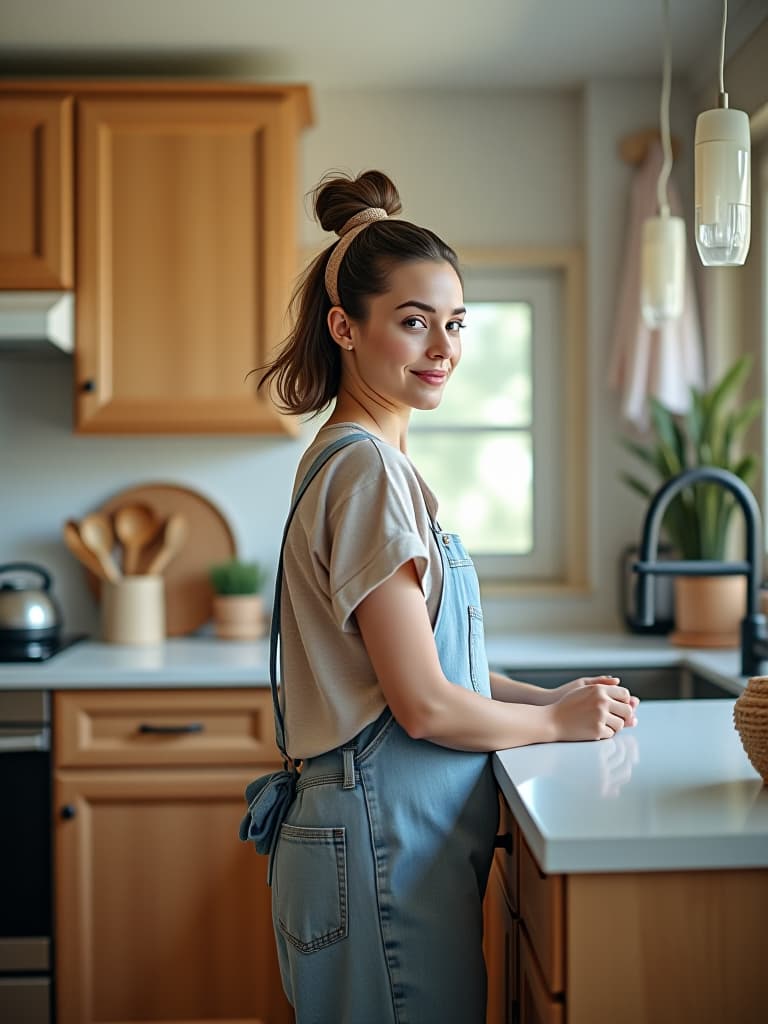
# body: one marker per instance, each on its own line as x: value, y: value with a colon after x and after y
x: 496, y: 168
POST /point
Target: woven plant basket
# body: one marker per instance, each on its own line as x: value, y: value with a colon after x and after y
x: 750, y: 715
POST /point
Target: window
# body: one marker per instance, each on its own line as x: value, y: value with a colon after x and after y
x: 497, y: 449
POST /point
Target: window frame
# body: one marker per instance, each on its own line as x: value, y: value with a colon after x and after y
x: 568, y: 261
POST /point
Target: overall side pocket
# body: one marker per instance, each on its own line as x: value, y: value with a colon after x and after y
x: 310, y: 883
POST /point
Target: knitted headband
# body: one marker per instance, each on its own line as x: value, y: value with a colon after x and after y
x: 347, y: 234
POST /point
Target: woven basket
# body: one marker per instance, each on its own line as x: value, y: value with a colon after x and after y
x: 750, y: 715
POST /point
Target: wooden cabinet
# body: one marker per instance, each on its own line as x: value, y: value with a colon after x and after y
x: 186, y: 239
x: 501, y: 926
x: 537, y: 1004
x: 36, y: 191
x: 644, y: 947
x: 162, y: 914
x: 500, y: 946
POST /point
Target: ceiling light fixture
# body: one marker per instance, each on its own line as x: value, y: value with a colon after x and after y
x: 662, y: 267
x: 722, y: 188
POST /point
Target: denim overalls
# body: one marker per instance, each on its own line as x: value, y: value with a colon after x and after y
x: 380, y: 849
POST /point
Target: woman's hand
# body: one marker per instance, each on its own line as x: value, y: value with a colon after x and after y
x: 576, y: 684
x: 592, y: 708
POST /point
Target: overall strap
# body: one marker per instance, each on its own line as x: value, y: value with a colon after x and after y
x: 274, y: 639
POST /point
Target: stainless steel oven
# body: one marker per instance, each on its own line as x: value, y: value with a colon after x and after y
x: 26, y: 983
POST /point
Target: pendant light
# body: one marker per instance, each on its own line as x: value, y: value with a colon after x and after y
x: 722, y: 186
x: 662, y: 267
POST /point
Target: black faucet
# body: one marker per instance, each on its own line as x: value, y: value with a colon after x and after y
x: 754, y: 639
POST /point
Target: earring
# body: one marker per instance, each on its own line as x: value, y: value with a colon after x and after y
x: 349, y: 348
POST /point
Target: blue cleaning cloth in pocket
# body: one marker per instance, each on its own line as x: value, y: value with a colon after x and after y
x: 269, y: 798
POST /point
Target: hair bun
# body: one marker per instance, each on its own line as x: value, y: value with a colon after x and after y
x: 339, y: 197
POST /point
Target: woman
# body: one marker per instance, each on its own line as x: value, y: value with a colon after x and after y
x: 380, y: 845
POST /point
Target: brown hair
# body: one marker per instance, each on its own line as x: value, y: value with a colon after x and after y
x: 305, y: 374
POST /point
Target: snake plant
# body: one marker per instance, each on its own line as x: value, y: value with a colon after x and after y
x: 697, y: 520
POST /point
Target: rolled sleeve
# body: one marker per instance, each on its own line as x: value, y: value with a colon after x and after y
x: 384, y: 564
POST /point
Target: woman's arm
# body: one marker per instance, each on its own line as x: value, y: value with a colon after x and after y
x: 394, y: 624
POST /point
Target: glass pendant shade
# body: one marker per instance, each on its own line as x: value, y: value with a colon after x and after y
x: 722, y: 187
x: 662, y: 269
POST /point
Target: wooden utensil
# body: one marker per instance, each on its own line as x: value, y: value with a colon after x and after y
x: 188, y: 592
x: 82, y: 553
x: 174, y: 538
x: 97, y: 535
x: 136, y: 526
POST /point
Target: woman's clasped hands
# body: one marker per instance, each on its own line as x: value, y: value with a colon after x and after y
x: 592, y: 708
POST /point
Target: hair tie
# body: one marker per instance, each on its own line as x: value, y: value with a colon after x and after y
x: 347, y: 234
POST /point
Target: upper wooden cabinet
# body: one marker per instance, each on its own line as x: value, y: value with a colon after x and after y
x: 186, y: 250
x: 36, y: 245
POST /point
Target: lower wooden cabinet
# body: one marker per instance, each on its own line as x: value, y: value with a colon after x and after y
x: 537, y: 1004
x: 655, y: 947
x: 162, y: 914
x: 500, y: 941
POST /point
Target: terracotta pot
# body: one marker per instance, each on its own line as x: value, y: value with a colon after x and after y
x: 750, y: 715
x: 239, y: 616
x: 709, y: 610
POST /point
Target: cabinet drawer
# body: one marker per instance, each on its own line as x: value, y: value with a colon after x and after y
x: 537, y: 1005
x: 508, y: 858
x: 542, y: 913
x: 164, y: 727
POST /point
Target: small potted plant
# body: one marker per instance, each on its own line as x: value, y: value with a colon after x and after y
x: 238, y: 606
x: 698, y: 520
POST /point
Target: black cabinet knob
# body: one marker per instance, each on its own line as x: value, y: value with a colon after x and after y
x: 68, y: 811
x: 88, y: 385
x: 504, y: 842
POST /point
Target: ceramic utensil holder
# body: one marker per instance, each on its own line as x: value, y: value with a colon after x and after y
x: 133, y: 611
x: 750, y: 715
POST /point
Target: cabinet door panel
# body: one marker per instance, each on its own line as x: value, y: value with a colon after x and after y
x: 36, y: 192
x: 542, y: 910
x: 187, y: 253
x: 537, y: 1004
x: 162, y: 913
x: 500, y: 948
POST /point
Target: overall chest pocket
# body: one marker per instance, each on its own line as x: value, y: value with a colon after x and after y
x: 455, y: 553
x: 310, y: 886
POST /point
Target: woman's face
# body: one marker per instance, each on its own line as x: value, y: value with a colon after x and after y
x: 407, y: 348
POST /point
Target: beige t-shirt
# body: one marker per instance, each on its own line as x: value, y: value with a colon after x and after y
x: 362, y: 517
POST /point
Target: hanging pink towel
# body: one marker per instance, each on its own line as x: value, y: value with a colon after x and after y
x: 662, y: 363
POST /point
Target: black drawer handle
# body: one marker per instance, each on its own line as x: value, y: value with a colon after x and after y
x: 171, y: 730
x: 504, y: 842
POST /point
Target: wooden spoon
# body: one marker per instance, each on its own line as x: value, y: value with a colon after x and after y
x: 96, y: 533
x: 174, y: 537
x: 83, y: 554
x: 136, y: 526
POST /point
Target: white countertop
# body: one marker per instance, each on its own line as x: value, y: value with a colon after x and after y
x: 205, y: 661
x: 183, y: 662
x: 676, y: 792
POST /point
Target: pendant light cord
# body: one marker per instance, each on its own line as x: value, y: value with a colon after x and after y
x: 666, y: 142
x: 723, y: 94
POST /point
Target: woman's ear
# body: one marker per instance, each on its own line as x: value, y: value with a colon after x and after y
x: 340, y: 327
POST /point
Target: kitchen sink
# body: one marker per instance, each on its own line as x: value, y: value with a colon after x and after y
x: 646, y: 683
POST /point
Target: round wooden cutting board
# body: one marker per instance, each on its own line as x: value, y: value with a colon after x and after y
x: 188, y: 593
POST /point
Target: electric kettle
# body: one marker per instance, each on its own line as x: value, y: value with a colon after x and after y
x: 28, y: 611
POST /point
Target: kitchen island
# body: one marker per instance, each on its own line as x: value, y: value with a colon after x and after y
x: 634, y: 882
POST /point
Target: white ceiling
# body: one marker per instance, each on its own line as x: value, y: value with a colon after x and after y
x: 353, y: 44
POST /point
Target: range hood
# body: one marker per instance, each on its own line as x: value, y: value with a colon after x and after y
x: 37, y: 322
